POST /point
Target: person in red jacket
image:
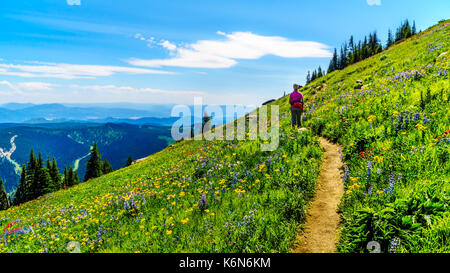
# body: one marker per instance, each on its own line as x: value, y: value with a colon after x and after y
x: 296, y: 102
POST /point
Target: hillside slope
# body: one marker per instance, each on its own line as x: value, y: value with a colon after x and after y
x: 197, y: 196
x: 394, y: 131
x: 228, y: 196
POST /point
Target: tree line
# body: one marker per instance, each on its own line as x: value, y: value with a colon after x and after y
x: 352, y: 52
x: 38, y: 178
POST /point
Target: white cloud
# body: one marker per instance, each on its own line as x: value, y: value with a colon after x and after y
x: 168, y: 45
x: 70, y: 71
x: 150, y: 41
x: 122, y: 89
x: 74, y: 2
x: 41, y: 86
x: 237, y: 45
x: 374, y: 2
x: 22, y: 87
x: 28, y: 86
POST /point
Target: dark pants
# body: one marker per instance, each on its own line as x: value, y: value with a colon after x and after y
x: 296, y: 115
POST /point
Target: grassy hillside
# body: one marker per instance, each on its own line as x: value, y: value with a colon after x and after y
x: 228, y: 196
x: 395, y: 134
x: 255, y: 202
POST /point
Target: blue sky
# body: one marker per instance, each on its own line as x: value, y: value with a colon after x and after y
x: 228, y: 52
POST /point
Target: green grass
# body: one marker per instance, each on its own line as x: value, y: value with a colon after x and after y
x: 404, y: 202
x: 256, y: 202
x: 254, y: 206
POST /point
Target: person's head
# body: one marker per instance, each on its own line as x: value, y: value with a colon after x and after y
x: 296, y: 87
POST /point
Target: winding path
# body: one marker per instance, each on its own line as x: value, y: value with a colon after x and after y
x: 320, y: 234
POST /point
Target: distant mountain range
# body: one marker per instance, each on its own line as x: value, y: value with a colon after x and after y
x: 132, y: 113
x: 19, y: 113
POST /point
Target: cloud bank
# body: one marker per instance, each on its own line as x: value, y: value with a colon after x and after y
x: 374, y: 2
x: 74, y: 2
x: 237, y: 45
x: 70, y: 71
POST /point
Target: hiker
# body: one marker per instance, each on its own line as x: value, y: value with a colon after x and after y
x: 296, y: 102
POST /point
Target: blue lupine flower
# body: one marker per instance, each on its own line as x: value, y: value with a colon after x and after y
x: 203, y: 202
x: 394, y: 245
x: 391, y: 184
x: 346, y: 173
x: 369, y: 170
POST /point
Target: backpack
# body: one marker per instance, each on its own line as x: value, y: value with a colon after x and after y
x: 297, y: 104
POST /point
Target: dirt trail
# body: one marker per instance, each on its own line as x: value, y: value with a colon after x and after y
x: 320, y: 234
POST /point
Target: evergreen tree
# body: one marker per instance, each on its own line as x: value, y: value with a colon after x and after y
x: 54, y: 174
x: 65, y: 178
x: 106, y: 167
x: 72, y: 177
x: 31, y: 179
x: 4, y: 201
x: 314, y: 75
x: 129, y: 161
x: 413, y: 31
x: 365, y: 51
x: 390, y: 40
x: 94, y: 165
x: 342, y: 63
x: 351, y: 43
x: 319, y: 72
x: 76, y: 180
x: 21, y: 192
x: 43, y: 180
x: 205, y: 125
x: 333, y: 62
x: 308, y: 77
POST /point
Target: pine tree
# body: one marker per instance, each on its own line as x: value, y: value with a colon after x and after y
x: 351, y: 43
x: 129, y: 161
x: 319, y: 72
x: 314, y: 75
x: 21, y: 194
x: 94, y: 165
x: 54, y: 174
x: 65, y: 182
x: 390, y: 40
x: 76, y: 180
x: 205, y: 122
x: 365, y: 51
x: 32, y: 190
x: 106, y: 167
x: 4, y: 202
x: 43, y: 182
x: 342, y: 59
x: 308, y: 77
x: 333, y: 62
x: 413, y: 31
x: 70, y: 177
